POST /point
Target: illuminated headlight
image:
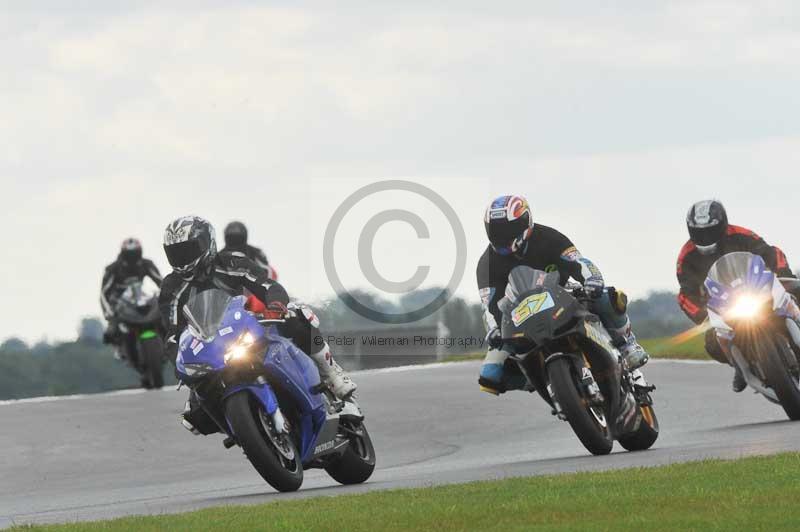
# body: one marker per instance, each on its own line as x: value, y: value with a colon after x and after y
x: 747, y: 306
x: 240, y: 348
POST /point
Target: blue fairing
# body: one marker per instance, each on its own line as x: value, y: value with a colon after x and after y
x: 287, y: 366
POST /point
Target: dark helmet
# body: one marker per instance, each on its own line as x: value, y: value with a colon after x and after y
x: 236, y: 235
x: 130, y: 252
x: 509, y: 224
x: 190, y: 245
x: 707, y: 222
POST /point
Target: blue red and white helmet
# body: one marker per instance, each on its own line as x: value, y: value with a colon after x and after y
x: 509, y: 224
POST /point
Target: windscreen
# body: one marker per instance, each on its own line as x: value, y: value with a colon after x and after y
x: 205, y: 311
x: 733, y: 269
x: 136, y: 295
x: 524, y: 278
x: 133, y: 292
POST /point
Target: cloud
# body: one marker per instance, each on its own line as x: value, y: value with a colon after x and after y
x: 117, y: 119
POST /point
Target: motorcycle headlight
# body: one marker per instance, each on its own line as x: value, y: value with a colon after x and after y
x: 746, y: 307
x: 240, y: 349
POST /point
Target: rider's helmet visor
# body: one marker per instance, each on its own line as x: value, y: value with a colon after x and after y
x: 184, y: 253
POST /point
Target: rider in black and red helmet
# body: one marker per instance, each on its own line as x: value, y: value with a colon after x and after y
x: 129, y: 266
x: 711, y: 237
x: 515, y: 240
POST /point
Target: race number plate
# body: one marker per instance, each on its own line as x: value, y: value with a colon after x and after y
x: 531, y: 306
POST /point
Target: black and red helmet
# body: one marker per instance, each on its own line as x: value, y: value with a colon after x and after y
x: 707, y: 223
x: 509, y: 224
x: 190, y: 244
x: 130, y: 251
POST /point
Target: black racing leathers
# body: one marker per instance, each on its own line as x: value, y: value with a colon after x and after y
x: 254, y: 254
x: 118, y: 275
x: 693, y: 267
x: 236, y: 275
x: 547, y: 250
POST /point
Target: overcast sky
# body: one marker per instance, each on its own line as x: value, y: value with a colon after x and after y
x: 116, y: 118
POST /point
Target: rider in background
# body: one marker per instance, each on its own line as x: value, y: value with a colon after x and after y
x: 236, y: 243
x: 514, y: 240
x: 711, y: 237
x: 190, y: 246
x: 130, y: 266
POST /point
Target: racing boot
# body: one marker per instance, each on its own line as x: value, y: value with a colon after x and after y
x: 495, y: 378
x: 332, y: 373
x: 633, y: 353
x: 491, y: 377
x: 739, y: 384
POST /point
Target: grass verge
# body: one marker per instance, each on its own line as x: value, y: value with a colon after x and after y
x: 693, y: 349
x: 748, y: 494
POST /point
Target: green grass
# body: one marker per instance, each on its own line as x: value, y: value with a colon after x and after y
x: 466, y: 356
x: 692, y: 349
x: 748, y: 494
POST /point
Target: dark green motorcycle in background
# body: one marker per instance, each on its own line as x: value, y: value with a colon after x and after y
x: 140, y: 324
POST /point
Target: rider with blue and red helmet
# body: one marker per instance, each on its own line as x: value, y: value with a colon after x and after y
x: 515, y: 240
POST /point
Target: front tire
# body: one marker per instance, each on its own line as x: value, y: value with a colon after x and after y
x: 280, y: 472
x: 152, y: 354
x: 774, y: 358
x: 646, y: 435
x: 589, y: 425
x: 357, y: 463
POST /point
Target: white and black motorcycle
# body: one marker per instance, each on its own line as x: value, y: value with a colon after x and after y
x: 756, y: 322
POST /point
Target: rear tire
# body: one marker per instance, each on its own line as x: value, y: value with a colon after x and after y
x: 152, y: 355
x: 773, y: 359
x: 243, y: 415
x: 646, y: 435
x: 593, y: 435
x: 357, y: 463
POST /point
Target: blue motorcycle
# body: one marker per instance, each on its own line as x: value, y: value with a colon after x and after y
x: 265, y: 394
x: 756, y: 323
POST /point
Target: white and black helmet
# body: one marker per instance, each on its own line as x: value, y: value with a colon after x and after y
x: 190, y: 245
x: 707, y: 222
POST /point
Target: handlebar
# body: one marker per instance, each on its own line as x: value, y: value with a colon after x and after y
x: 790, y: 283
x: 578, y: 292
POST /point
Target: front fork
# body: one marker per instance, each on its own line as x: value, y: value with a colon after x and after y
x: 586, y: 384
x: 264, y: 394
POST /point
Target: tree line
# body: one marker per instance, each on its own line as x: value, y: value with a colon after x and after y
x: 85, y: 365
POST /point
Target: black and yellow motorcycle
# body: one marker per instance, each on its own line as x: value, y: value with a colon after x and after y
x: 567, y: 355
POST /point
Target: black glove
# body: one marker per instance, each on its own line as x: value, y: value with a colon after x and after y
x: 594, y: 287
x: 494, y: 339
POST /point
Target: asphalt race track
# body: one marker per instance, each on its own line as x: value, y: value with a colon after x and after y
x: 124, y: 453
